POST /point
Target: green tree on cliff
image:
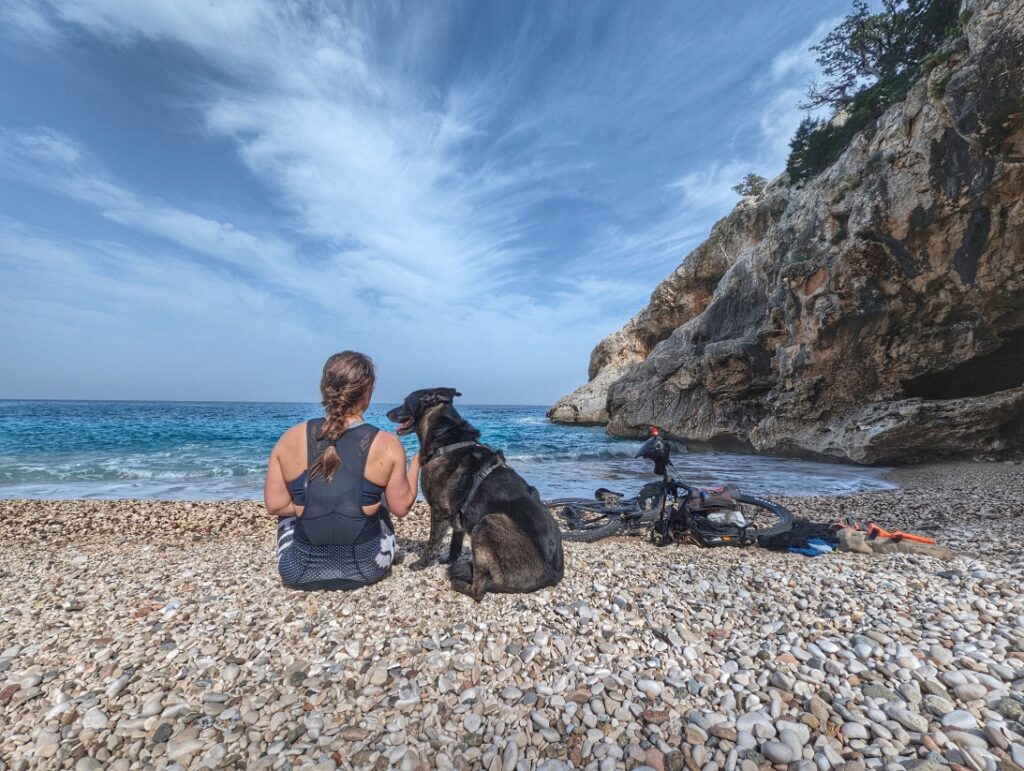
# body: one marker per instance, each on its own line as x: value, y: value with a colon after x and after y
x: 870, y: 48
x: 868, y: 62
x: 752, y: 184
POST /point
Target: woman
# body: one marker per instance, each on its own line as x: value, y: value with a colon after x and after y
x: 333, y: 481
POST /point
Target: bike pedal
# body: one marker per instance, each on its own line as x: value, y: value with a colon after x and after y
x: 607, y: 497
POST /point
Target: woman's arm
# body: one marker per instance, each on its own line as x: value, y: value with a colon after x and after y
x: 276, y: 496
x: 400, y: 492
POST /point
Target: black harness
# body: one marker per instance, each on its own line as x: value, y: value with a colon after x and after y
x: 479, y: 477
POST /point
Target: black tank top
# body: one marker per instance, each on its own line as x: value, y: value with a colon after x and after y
x: 334, y: 512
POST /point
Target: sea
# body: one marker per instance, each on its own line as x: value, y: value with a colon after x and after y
x: 219, y: 451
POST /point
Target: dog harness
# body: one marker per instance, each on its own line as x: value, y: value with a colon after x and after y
x: 479, y: 477
x: 449, y: 448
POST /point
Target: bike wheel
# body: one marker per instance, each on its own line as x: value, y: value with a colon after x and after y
x: 583, y: 520
x: 591, y: 504
x: 770, y: 518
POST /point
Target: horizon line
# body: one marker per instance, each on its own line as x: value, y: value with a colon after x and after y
x: 239, y: 401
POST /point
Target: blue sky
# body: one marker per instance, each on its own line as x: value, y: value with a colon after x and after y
x: 204, y: 200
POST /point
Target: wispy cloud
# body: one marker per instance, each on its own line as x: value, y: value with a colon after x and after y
x: 58, y: 163
x: 785, y: 87
x: 239, y: 287
x: 703, y: 195
x: 511, y: 192
x: 28, y: 18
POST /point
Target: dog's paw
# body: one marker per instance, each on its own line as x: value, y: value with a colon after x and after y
x: 420, y: 564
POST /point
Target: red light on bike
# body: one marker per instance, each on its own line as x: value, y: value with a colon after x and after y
x: 654, y: 431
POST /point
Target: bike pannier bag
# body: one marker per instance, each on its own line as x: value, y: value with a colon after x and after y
x: 723, y: 496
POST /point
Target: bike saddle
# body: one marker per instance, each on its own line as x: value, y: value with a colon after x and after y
x: 607, y: 497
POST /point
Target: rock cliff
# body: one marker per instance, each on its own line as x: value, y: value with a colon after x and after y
x: 873, y: 314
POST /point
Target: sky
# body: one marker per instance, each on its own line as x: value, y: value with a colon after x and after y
x: 203, y: 200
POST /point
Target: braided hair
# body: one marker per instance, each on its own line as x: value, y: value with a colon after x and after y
x: 346, y: 386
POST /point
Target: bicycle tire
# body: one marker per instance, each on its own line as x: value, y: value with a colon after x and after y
x: 591, y: 504
x: 573, y: 502
x: 584, y: 534
x: 783, y: 516
x: 590, y: 536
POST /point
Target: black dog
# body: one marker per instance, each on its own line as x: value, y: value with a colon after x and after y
x: 516, y: 544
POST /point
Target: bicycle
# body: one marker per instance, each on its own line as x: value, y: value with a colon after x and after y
x: 671, y: 510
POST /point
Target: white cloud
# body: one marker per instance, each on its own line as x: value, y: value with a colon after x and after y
x: 421, y: 241
x: 159, y: 299
x: 361, y: 156
x: 710, y: 190
x: 28, y: 18
x: 791, y: 72
x: 706, y: 194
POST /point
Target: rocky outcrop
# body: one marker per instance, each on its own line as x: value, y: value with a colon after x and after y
x: 874, y: 314
x: 683, y: 296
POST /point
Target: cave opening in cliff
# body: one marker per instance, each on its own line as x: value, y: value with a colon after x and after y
x: 997, y: 371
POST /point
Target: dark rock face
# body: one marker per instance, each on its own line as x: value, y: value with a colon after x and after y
x: 874, y: 315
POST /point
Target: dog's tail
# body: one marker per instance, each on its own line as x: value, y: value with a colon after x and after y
x: 556, y: 571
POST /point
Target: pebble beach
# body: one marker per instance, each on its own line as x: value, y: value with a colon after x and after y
x: 156, y: 635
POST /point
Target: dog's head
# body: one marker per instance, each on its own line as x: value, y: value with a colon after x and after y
x: 418, y: 405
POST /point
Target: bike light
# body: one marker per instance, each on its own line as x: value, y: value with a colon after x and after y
x: 654, y: 431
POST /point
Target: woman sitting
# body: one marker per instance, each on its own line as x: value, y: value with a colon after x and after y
x: 333, y: 482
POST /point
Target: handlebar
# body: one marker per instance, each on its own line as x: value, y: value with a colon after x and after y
x: 656, y: 449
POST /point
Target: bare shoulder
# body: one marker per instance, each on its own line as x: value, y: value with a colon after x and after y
x: 387, y: 441
x: 293, y: 439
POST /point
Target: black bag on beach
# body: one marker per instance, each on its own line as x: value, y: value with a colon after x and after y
x: 709, y: 533
x: 803, y: 531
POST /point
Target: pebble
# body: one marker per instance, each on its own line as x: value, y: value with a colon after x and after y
x: 95, y: 719
x: 179, y: 749
x: 1017, y: 754
x: 117, y: 686
x: 912, y: 721
x: 996, y: 736
x: 1010, y: 708
x: 153, y: 705
x: 47, y: 743
x: 970, y: 691
x: 966, y: 738
x: 510, y: 756
x: 783, y: 681
x: 959, y: 718
x: 937, y: 705
x: 853, y: 730
x: 777, y: 752
x: 694, y: 734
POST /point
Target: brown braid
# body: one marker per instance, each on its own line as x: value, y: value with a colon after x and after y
x: 346, y: 384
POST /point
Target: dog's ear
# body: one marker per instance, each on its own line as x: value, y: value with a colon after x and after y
x: 442, y: 396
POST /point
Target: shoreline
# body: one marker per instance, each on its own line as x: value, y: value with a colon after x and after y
x: 155, y: 451
x: 155, y: 633
x: 908, y: 476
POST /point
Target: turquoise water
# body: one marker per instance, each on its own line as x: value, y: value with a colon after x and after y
x: 219, y: 450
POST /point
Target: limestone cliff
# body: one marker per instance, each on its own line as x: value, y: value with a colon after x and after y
x: 875, y: 313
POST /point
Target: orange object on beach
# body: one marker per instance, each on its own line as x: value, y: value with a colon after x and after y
x: 874, y: 531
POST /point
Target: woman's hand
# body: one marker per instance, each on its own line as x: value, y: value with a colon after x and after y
x: 413, y: 475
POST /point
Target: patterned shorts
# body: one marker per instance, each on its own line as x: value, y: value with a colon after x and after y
x: 307, y: 566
